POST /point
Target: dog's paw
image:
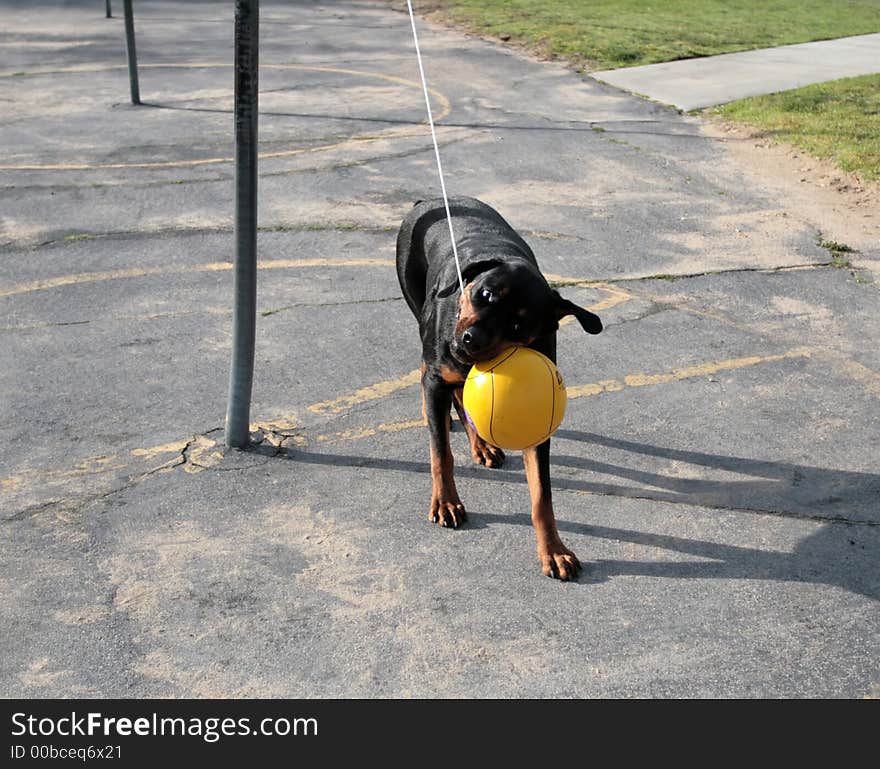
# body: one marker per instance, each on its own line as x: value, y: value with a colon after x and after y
x: 486, y: 454
x: 447, y: 512
x: 559, y: 562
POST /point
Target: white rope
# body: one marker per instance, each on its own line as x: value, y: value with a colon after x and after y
x: 412, y: 20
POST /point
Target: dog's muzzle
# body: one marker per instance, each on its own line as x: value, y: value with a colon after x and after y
x: 473, y: 345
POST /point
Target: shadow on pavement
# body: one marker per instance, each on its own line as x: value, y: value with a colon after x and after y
x: 832, y: 555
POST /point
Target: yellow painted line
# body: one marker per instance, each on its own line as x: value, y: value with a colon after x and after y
x: 444, y: 111
x: 366, y: 394
x: 279, y: 424
x: 605, y: 386
x: 616, y: 295
x: 368, y: 432
x: 388, y: 134
x: 175, y: 447
x: 866, y: 377
x: 387, y: 387
x: 689, y: 372
x: 578, y: 391
x: 141, y: 272
x: 197, y: 442
x: 203, y: 454
x: 95, y: 465
x: 191, y: 162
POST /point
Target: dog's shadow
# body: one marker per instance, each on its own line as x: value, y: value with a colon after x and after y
x: 843, y: 552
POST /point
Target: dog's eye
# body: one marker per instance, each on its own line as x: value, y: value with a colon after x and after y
x: 516, y: 328
x: 486, y: 294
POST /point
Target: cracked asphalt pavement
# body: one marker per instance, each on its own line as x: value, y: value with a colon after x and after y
x: 716, y: 472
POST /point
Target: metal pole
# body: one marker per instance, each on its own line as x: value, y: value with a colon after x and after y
x: 109, y: 9
x: 247, y: 41
x: 132, y: 54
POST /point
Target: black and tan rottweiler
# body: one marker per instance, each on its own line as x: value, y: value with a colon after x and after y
x: 506, y: 301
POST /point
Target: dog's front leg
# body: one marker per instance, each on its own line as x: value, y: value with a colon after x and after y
x: 556, y: 559
x: 446, y: 507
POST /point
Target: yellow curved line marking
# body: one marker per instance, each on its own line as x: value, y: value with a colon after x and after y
x: 861, y: 374
x: 616, y: 295
x: 175, y: 447
x: 689, y: 372
x: 368, y: 432
x: 365, y: 394
x: 445, y: 110
x: 196, y: 162
x: 579, y: 391
x: 386, y: 387
x: 140, y: 272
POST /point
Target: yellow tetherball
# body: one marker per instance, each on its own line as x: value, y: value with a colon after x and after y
x: 516, y: 400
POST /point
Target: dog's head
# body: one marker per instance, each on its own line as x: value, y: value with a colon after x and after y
x: 507, y: 302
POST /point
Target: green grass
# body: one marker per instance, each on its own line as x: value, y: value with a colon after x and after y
x: 836, y: 248
x: 839, y: 121
x: 604, y: 34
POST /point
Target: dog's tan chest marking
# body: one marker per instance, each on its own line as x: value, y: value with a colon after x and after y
x: 451, y: 375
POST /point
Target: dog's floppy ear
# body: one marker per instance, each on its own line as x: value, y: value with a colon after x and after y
x: 589, y: 322
x: 468, y: 273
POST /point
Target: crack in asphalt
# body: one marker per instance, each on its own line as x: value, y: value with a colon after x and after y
x: 77, y: 502
x: 214, y: 311
x: 78, y: 237
x: 654, y: 308
x: 671, y: 277
x: 276, y: 310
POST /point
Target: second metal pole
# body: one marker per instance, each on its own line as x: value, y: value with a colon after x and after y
x: 247, y: 23
x: 132, y: 54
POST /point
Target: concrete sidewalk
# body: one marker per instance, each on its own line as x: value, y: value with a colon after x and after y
x: 716, y: 471
x: 704, y: 82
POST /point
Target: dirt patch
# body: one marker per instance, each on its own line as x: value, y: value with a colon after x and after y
x: 844, y: 207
